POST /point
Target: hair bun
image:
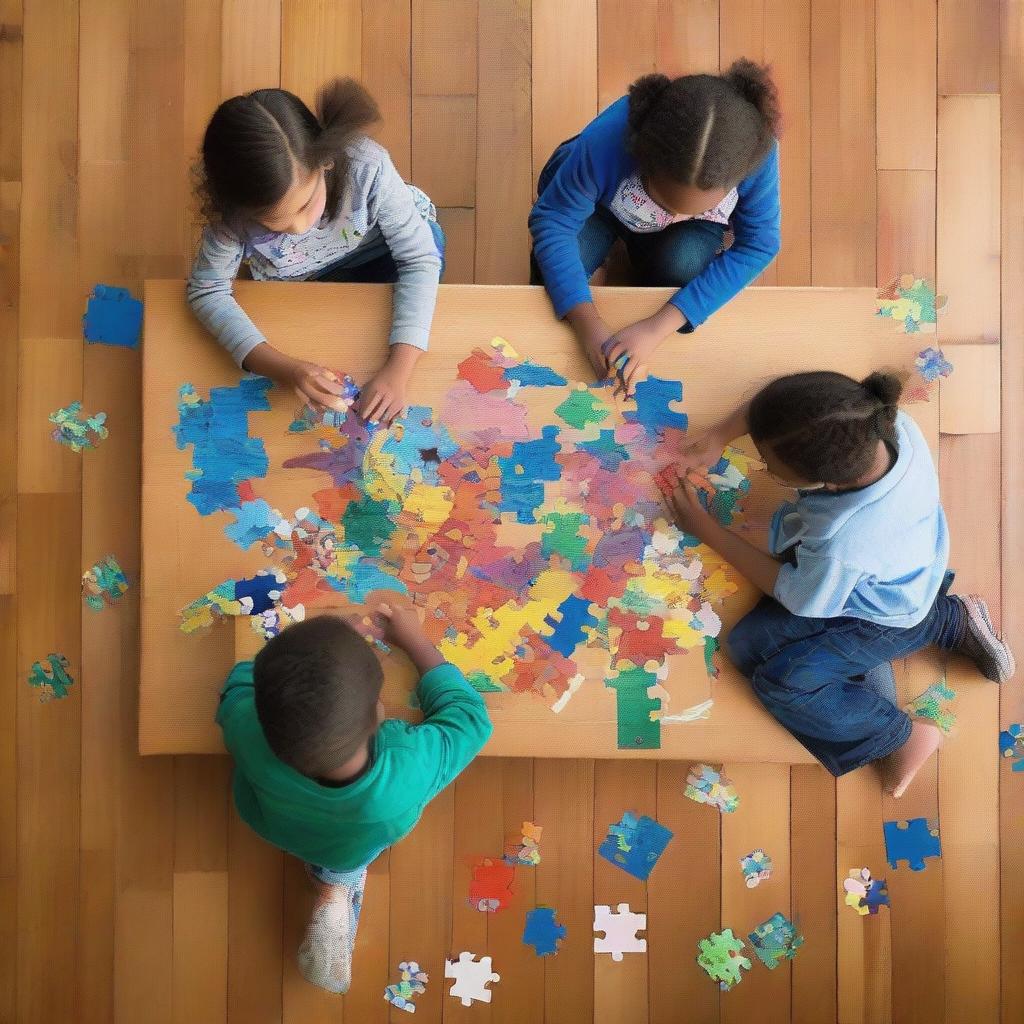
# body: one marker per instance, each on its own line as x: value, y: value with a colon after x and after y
x: 886, y: 387
x: 644, y: 93
x: 754, y: 83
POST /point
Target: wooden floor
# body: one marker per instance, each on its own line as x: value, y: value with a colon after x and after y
x: 129, y: 891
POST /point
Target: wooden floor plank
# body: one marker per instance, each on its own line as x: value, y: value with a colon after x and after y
x: 688, y: 37
x: 320, y: 40
x: 200, y: 967
x: 250, y: 46
x: 386, y: 36
x: 143, y: 978
x: 459, y: 227
x: 201, y: 799
x: 627, y: 46
x: 968, y: 47
x: 374, y: 968
x: 906, y: 225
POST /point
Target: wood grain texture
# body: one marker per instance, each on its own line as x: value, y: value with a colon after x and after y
x: 320, y: 40
x: 968, y: 47
x: 250, y: 46
x: 688, y: 37
x: 200, y: 967
x: 387, y: 41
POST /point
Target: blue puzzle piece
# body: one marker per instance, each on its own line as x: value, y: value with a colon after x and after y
x: 113, y: 316
x: 524, y: 472
x: 912, y: 844
x: 253, y: 521
x: 635, y: 844
x: 419, y: 442
x: 530, y: 375
x: 653, y: 397
x: 573, y: 614
x: 542, y: 932
x: 260, y: 588
x: 876, y: 896
x: 1011, y: 746
x: 608, y: 452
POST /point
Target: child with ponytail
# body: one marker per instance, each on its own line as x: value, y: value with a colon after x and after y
x: 857, y: 571
x: 666, y: 168
x: 300, y: 196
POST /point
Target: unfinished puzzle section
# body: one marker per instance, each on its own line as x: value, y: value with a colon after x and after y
x: 529, y: 533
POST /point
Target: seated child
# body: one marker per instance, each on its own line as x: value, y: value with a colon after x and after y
x: 304, y: 197
x: 857, y: 572
x: 321, y: 773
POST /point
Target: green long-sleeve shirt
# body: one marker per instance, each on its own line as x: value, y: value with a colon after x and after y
x: 344, y: 827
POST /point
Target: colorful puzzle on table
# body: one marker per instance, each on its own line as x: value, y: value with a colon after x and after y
x: 528, y: 532
x: 720, y: 957
x: 75, y: 431
x: 635, y: 844
x: 490, y: 888
x: 912, y: 303
x: 864, y: 893
x: 542, y: 931
x: 933, y: 704
x: 913, y: 842
x: 707, y: 785
x: 620, y: 927
x: 412, y: 982
x: 775, y: 940
x: 1011, y: 746
x: 53, y: 680
x: 104, y: 583
x: 472, y: 977
x: 756, y: 868
x: 526, y: 851
x: 113, y: 316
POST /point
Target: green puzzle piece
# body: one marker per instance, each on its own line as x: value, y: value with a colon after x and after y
x: 633, y: 709
x: 582, y: 407
x: 564, y: 538
x: 56, y: 678
x: 369, y: 524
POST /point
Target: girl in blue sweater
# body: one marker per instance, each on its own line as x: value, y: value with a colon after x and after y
x: 666, y: 168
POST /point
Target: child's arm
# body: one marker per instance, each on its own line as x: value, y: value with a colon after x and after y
x: 706, y: 448
x: 757, y: 566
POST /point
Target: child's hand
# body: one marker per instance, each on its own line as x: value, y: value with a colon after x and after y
x: 592, y: 337
x: 703, y: 451
x: 400, y: 625
x: 637, y: 344
x: 690, y: 515
x: 382, y: 400
x: 318, y: 385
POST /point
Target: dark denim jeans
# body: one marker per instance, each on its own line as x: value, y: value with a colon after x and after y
x: 379, y: 270
x: 810, y: 674
x: 669, y: 258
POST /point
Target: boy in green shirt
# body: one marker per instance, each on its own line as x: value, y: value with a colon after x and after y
x: 321, y: 773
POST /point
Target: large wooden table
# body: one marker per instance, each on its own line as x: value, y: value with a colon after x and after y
x: 760, y: 335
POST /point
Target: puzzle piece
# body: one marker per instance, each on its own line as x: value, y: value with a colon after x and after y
x: 932, y: 364
x: 707, y: 785
x: 113, y: 316
x: 54, y: 680
x: 913, y: 843
x: 582, y: 407
x: 720, y: 959
x: 912, y: 303
x: 635, y: 844
x: 775, y: 940
x: 636, y: 728
x: 567, y: 625
x: 932, y: 705
x: 490, y: 889
x: 756, y: 868
x: 620, y: 927
x: 530, y: 375
x: 1011, y: 745
x: 472, y: 977
x: 413, y: 983
x: 865, y: 894
x: 104, y: 583
x: 75, y: 431
x: 654, y: 398
x: 527, y: 851
x: 542, y: 932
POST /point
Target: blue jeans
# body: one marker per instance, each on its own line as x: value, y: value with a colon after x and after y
x: 669, y: 258
x: 810, y: 675
x: 381, y: 269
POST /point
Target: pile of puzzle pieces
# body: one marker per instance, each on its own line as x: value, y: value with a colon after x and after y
x: 78, y: 432
x: 412, y: 982
x: 707, y: 785
x: 104, y: 583
x: 864, y: 893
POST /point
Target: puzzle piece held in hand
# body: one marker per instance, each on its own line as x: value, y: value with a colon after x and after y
x: 707, y: 785
x: 543, y: 932
x: 490, y: 889
x: 54, y: 680
x: 756, y: 868
x: 472, y: 977
x: 774, y: 940
x: 413, y: 983
x: 620, y: 927
x: 635, y: 844
x: 913, y: 843
x: 1011, y: 745
x: 720, y: 959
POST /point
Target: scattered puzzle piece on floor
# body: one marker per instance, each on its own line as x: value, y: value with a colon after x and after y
x: 75, y: 431
x: 472, y: 977
x: 915, y: 842
x: 707, y: 785
x: 104, y: 583
x: 543, y: 932
x: 932, y: 704
x: 932, y: 364
x: 620, y: 927
x: 635, y: 844
x: 775, y: 940
x: 720, y: 959
x: 1011, y: 746
x: 490, y: 888
x: 756, y: 868
x: 54, y: 680
x: 527, y: 851
x: 912, y: 303
x: 864, y: 893
x: 113, y: 316
x: 412, y: 983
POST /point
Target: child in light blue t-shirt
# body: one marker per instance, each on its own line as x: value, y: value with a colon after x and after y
x: 857, y: 571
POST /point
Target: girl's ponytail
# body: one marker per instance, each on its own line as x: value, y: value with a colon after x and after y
x: 886, y: 389
x: 644, y: 94
x: 754, y: 83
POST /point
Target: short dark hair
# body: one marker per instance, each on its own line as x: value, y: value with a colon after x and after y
x: 317, y: 685
x: 709, y: 131
x: 253, y: 142
x: 825, y: 425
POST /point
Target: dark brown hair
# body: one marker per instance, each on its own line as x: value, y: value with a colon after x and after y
x: 253, y: 142
x: 709, y: 131
x: 826, y: 426
x: 317, y: 684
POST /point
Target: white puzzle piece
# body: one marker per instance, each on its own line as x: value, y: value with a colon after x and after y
x: 471, y: 978
x: 620, y: 930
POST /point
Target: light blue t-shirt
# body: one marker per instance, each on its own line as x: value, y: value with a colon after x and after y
x: 878, y: 553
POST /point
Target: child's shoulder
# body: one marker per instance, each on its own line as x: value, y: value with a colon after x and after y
x: 364, y: 152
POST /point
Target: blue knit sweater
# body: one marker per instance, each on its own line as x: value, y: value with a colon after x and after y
x: 590, y: 175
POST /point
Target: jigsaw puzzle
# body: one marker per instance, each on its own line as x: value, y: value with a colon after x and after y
x: 75, y: 431
x: 527, y: 851
x: 756, y: 868
x: 707, y: 785
x: 635, y: 844
x: 113, y: 316
x: 719, y: 957
x: 527, y: 533
x: 1011, y: 745
x: 412, y: 982
x: 104, y: 583
x: 912, y: 303
x: 53, y: 680
x: 864, y: 893
x: 472, y: 977
x: 542, y: 931
x: 933, y: 705
x: 775, y: 940
x: 620, y: 927
x: 913, y: 842
x: 490, y: 888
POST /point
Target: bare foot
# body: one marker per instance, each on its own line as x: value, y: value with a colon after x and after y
x: 904, y: 764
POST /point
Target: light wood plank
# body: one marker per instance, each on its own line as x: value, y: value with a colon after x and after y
x: 143, y: 980
x: 200, y: 967
x: 320, y: 40
x: 444, y: 40
x: 250, y: 46
x: 386, y: 36
x: 459, y: 227
x: 688, y: 37
x: 968, y: 45
x: 201, y: 799
x: 906, y: 225
x: 444, y: 148
x: 9, y: 940
x: 627, y: 46
x: 373, y: 968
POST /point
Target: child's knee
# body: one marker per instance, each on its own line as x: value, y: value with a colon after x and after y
x: 741, y: 646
